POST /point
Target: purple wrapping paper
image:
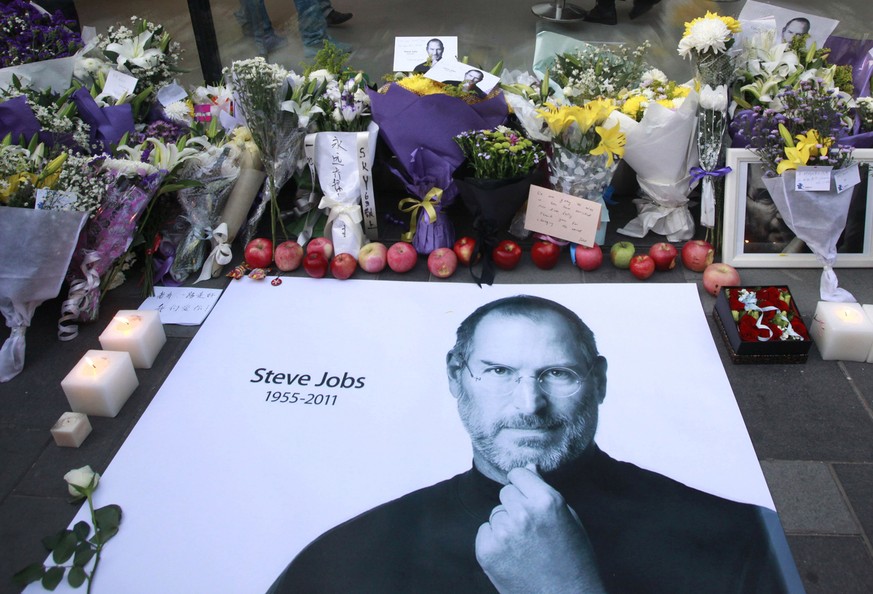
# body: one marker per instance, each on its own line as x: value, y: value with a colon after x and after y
x: 428, y: 170
x: 419, y: 130
x: 108, y: 124
x: 17, y: 117
x: 108, y: 235
x: 854, y: 52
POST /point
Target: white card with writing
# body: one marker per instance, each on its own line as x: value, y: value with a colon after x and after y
x: 813, y: 179
x: 846, y: 178
x: 562, y: 215
x: 187, y: 306
x: 119, y: 84
x: 54, y: 200
x: 171, y: 93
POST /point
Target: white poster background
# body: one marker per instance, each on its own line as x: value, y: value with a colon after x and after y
x: 221, y: 488
x: 820, y: 28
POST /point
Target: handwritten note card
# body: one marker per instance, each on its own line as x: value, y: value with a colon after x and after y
x: 187, y: 306
x: 562, y: 215
x: 813, y: 179
x: 848, y: 177
x: 118, y: 84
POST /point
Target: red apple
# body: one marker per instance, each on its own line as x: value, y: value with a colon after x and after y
x: 465, y: 250
x: 442, y: 262
x: 259, y: 252
x: 506, y: 255
x: 642, y: 266
x: 716, y: 276
x: 373, y: 257
x: 321, y: 245
x: 315, y: 265
x: 697, y: 255
x: 288, y: 256
x: 589, y: 258
x: 664, y: 254
x: 620, y: 254
x: 401, y: 257
x: 343, y: 266
x: 545, y: 254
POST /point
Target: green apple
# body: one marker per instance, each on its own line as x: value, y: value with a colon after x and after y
x: 621, y: 254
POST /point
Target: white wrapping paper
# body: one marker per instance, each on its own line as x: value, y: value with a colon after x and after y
x: 662, y: 148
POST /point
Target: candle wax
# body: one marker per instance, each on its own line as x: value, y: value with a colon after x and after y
x: 842, y: 331
x: 71, y: 429
x: 100, y: 383
x: 139, y: 332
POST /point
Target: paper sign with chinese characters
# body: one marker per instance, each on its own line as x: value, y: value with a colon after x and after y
x: 562, y: 216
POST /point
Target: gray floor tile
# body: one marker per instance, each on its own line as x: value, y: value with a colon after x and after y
x: 857, y: 482
x: 833, y: 565
x: 807, y: 498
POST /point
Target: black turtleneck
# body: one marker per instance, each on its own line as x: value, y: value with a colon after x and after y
x: 649, y: 533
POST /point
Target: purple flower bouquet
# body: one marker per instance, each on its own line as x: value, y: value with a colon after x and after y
x: 419, y: 130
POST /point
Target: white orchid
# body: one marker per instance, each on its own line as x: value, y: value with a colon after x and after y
x: 134, y: 50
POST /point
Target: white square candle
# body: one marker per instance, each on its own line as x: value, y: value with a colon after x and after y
x: 842, y: 331
x: 868, y: 309
x: 139, y: 332
x: 71, y: 429
x: 100, y: 383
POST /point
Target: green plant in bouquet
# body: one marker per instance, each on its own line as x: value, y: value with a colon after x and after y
x: 501, y: 153
x: 594, y: 71
x: 805, y: 132
x: 72, y: 551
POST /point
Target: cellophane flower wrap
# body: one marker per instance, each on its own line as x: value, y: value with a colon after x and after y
x: 587, y: 141
x: 708, y: 41
x: 35, y: 250
x: 216, y: 169
x: 107, y: 237
x: 807, y: 132
x: 420, y: 129
x: 260, y: 88
x: 661, y: 148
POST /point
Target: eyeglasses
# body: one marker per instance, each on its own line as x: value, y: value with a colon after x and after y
x: 558, y: 382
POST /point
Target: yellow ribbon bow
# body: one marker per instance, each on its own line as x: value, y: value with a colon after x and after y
x: 412, y: 205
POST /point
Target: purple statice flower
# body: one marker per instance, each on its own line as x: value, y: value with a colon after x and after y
x: 166, y: 131
x: 28, y: 35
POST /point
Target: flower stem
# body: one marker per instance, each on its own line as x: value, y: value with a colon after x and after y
x: 99, y: 545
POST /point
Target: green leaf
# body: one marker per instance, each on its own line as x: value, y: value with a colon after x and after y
x: 82, y: 530
x: 50, y: 542
x: 84, y: 553
x: 107, y: 518
x: 77, y: 576
x: 31, y: 573
x: 65, y: 548
x: 52, y: 577
x: 103, y: 536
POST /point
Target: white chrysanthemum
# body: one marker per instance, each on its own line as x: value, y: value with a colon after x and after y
x: 651, y: 76
x: 707, y: 35
x: 178, y: 112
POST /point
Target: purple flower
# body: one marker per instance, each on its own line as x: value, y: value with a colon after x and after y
x: 27, y: 35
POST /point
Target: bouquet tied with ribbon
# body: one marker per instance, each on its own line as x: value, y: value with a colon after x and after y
x: 419, y: 122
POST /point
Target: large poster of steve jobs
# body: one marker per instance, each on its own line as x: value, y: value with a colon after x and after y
x: 365, y: 436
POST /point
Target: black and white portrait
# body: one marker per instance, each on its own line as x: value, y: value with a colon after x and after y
x: 418, y: 54
x: 543, y: 508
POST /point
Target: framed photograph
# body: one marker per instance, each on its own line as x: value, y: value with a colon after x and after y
x: 755, y: 236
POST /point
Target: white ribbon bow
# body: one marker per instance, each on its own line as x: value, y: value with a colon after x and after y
x: 219, y: 256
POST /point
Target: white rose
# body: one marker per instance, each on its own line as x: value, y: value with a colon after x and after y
x: 81, y: 478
